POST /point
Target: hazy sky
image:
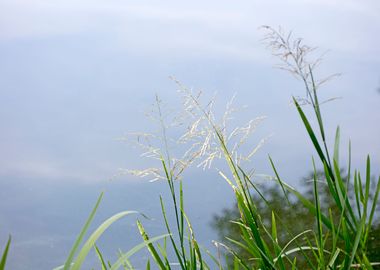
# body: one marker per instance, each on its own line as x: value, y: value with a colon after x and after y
x: 76, y: 75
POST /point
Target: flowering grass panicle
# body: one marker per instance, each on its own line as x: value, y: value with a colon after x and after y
x: 200, y: 139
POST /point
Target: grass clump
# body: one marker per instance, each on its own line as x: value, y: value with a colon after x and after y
x: 340, y: 208
x: 337, y: 238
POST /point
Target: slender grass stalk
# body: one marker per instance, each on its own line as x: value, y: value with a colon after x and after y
x: 81, y: 235
x: 5, y: 254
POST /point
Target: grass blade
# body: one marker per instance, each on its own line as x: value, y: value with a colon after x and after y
x: 95, y: 236
x: 310, y: 131
x: 359, y: 233
x: 318, y: 217
x: 336, y: 146
x: 373, y: 208
x: 5, y: 254
x: 101, y: 259
x: 151, y: 248
x: 81, y: 235
x: 135, y: 249
x: 309, y: 205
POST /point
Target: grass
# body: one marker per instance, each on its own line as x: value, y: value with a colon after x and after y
x: 338, y: 236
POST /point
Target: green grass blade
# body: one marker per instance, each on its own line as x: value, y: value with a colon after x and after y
x: 135, y: 249
x: 212, y: 257
x: 181, y: 257
x: 347, y: 244
x: 276, y: 246
x: 357, y: 195
x: 318, y: 217
x: 194, y: 242
x: 95, y: 236
x: 311, y: 133
x: 274, y: 228
x: 359, y: 233
x: 237, y: 257
x: 373, y: 208
x: 309, y: 205
x: 298, y: 249
x: 334, y: 233
x: 250, y: 220
x: 182, y: 211
x: 283, y: 251
x: 126, y: 264
x: 151, y: 248
x: 331, y: 186
x: 101, y: 259
x: 81, y: 235
x: 342, y: 190
x: 349, y: 163
x: 294, y: 264
x: 279, y: 180
x: 367, y: 185
x: 316, y: 104
x: 236, y: 264
x: 250, y: 248
x: 333, y: 259
x: 336, y: 145
x: 163, y: 250
x: 5, y: 254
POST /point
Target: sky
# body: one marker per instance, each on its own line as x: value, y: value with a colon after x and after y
x: 76, y: 76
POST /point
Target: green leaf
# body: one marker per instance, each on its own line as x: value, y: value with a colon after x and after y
x: 151, y: 248
x: 333, y: 258
x: 309, y: 205
x: 336, y: 146
x: 357, y: 195
x: 81, y: 235
x: 100, y: 256
x: 181, y: 257
x: 294, y: 264
x: 5, y: 254
x: 373, y: 208
x: 358, y: 236
x: 124, y: 257
x: 95, y: 236
x: 276, y: 247
x: 310, y: 131
x: 318, y: 216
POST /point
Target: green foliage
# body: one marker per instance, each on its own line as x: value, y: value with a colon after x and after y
x: 334, y: 241
x: 81, y: 255
x: 5, y: 254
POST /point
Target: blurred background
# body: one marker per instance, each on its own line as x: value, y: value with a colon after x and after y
x: 75, y: 76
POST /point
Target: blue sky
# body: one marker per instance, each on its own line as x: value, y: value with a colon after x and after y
x: 76, y: 75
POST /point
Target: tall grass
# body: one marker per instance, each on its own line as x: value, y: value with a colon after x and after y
x: 340, y: 233
x: 336, y: 241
